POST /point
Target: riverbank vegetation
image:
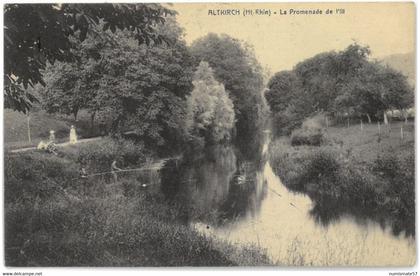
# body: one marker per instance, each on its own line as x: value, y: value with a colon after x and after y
x: 354, y: 172
x: 63, y: 220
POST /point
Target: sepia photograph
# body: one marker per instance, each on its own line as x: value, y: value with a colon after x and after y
x: 209, y: 135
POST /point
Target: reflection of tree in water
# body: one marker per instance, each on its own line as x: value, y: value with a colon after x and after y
x: 201, y: 182
x: 215, y: 186
x: 327, y: 210
x: 247, y: 190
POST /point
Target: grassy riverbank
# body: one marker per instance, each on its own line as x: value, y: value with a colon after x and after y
x: 366, y: 173
x: 40, y: 123
x: 54, y: 218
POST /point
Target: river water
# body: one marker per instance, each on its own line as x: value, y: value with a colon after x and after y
x: 245, y: 203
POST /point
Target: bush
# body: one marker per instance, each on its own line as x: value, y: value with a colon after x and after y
x: 307, y: 136
x: 383, y: 190
x: 285, y: 122
x: 31, y: 175
x: 98, y: 156
x: 398, y: 172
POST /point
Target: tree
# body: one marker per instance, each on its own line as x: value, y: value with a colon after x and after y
x: 66, y: 95
x: 289, y: 103
x: 339, y: 83
x: 398, y: 93
x: 70, y: 87
x: 143, y: 88
x: 35, y: 34
x: 318, y: 76
x: 281, y: 90
x: 375, y: 89
x: 235, y: 66
x: 210, y: 114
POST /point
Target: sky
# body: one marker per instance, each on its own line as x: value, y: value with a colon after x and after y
x: 281, y: 41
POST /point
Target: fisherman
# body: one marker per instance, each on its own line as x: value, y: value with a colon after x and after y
x: 73, y: 135
x: 114, y: 170
x: 83, y: 176
x: 83, y: 173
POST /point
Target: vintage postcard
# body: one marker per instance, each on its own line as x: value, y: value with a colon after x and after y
x: 209, y: 134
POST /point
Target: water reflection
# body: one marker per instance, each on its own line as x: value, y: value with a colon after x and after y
x: 214, y: 187
x: 243, y: 201
x: 285, y: 227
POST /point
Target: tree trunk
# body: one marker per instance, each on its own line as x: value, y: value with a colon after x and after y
x: 75, y: 115
x: 401, y: 114
x: 29, y: 128
x: 405, y: 114
x: 92, y: 118
x: 385, y: 118
x: 369, y: 119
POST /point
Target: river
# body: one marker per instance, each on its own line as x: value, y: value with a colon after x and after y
x: 245, y: 203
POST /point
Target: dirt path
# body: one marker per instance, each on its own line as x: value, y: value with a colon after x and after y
x: 59, y: 145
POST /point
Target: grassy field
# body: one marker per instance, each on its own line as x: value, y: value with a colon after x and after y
x: 366, y: 144
x: 16, y: 129
x: 368, y: 173
x: 55, y: 218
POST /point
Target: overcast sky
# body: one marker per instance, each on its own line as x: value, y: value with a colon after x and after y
x: 282, y: 41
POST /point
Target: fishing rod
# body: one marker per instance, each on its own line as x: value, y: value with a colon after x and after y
x: 118, y: 171
x: 146, y: 168
x: 126, y: 170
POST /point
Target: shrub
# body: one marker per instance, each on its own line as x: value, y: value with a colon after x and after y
x: 397, y: 171
x: 286, y: 121
x: 31, y: 175
x: 307, y: 136
x: 338, y: 183
x: 98, y: 156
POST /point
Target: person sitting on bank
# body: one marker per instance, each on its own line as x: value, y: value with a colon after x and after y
x: 42, y: 145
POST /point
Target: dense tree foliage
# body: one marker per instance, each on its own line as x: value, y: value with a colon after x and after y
x: 126, y: 86
x: 235, y: 66
x: 344, y: 83
x: 72, y: 86
x: 35, y: 34
x: 210, y: 116
x: 144, y: 88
